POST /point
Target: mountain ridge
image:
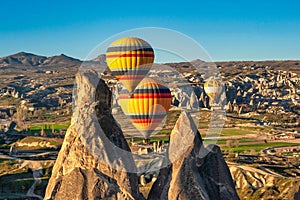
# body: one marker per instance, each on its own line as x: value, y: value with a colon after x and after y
x: 25, y: 59
x: 101, y: 56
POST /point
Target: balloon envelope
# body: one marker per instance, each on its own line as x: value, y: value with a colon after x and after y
x: 148, y: 105
x: 130, y: 59
x: 213, y: 88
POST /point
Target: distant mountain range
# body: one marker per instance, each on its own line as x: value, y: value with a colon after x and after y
x: 31, y: 60
x: 23, y: 59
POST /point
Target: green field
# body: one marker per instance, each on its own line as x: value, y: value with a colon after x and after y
x: 257, y: 147
x: 164, y: 132
x: 235, y: 131
x: 48, y: 128
x: 203, y: 124
x: 223, y: 141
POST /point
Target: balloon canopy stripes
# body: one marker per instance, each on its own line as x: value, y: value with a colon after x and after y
x: 130, y: 59
x: 148, y: 105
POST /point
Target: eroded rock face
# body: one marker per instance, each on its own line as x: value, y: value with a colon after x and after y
x: 95, y: 161
x: 261, y: 183
x: 195, y: 172
x: 185, y: 97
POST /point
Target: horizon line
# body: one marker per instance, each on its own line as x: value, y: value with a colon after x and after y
x: 215, y: 61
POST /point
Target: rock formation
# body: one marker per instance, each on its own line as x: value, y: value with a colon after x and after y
x: 95, y: 160
x: 185, y: 97
x: 261, y: 183
x: 195, y: 172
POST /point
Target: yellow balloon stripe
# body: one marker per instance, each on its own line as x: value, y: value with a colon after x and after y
x: 129, y: 56
x: 148, y: 105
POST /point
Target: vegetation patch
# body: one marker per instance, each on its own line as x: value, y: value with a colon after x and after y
x: 257, y: 147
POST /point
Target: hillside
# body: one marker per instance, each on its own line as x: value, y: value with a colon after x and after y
x: 29, y: 59
x: 260, y: 183
x: 25, y: 60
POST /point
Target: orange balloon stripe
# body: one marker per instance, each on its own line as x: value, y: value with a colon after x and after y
x: 142, y: 54
x: 147, y: 96
x: 130, y: 77
x: 149, y: 120
x: 148, y: 105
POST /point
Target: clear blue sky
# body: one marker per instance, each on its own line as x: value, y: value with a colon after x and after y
x: 228, y: 30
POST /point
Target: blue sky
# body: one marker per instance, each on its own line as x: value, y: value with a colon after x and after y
x: 228, y: 30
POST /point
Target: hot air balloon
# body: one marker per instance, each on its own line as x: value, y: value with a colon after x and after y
x: 130, y: 59
x: 148, y: 105
x: 213, y: 89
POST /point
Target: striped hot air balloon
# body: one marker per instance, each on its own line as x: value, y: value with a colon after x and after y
x: 213, y: 88
x: 130, y: 59
x: 148, y: 105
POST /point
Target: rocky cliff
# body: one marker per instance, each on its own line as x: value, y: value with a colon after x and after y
x: 94, y: 161
x: 196, y: 172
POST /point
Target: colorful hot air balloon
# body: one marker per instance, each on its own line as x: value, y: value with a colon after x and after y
x: 213, y: 89
x: 148, y: 105
x: 130, y: 59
